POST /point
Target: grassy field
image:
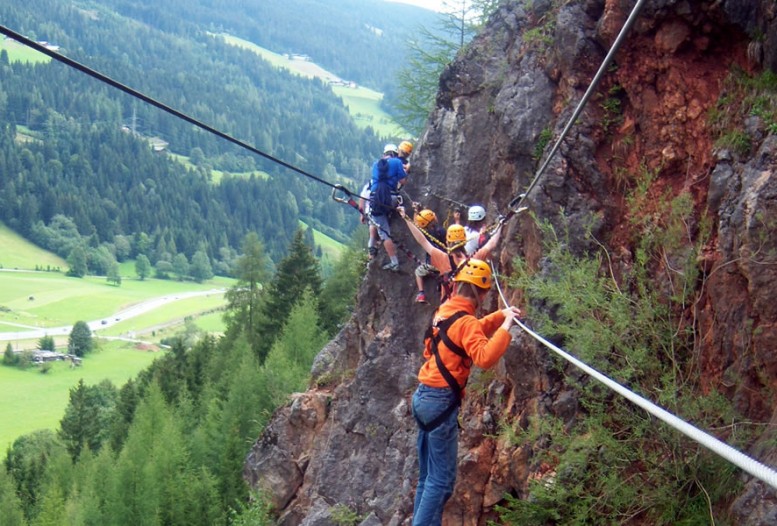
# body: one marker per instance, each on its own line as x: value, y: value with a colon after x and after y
x: 217, y: 174
x: 58, y: 300
x: 159, y: 322
x: 20, y: 53
x: 364, y: 106
x: 31, y: 400
x: 18, y: 253
x: 363, y: 103
x: 330, y: 249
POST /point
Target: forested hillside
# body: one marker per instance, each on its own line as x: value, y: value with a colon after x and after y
x: 72, y: 171
x: 360, y: 40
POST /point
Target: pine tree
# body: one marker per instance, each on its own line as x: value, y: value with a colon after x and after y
x: 287, y: 368
x: 26, y: 461
x: 46, y: 343
x: 87, y: 417
x: 181, y: 266
x: 296, y: 272
x: 114, y: 275
x: 201, y: 269
x: 243, y: 299
x: 431, y: 52
x: 126, y: 403
x: 238, y: 418
x: 137, y: 494
x: 9, y: 357
x: 52, y: 508
x: 10, y: 504
x: 339, y: 292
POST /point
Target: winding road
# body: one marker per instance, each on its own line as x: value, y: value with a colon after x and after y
x: 103, y: 323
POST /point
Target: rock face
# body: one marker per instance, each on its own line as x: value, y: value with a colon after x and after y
x: 350, y: 440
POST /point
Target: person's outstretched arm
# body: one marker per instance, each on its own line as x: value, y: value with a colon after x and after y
x: 485, y: 251
x: 417, y: 234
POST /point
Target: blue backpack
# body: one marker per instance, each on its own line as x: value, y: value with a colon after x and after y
x: 381, y: 201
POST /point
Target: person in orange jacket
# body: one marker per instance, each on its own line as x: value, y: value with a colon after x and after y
x: 455, y: 341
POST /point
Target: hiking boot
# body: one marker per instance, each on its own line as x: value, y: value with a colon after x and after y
x: 420, y: 297
x: 372, y: 251
x: 393, y: 267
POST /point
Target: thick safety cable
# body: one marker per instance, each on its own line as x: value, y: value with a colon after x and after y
x: 518, y: 200
x: 145, y: 98
x: 755, y: 468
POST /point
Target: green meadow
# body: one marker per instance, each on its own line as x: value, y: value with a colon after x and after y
x: 32, y: 400
x: 217, y: 175
x: 30, y: 300
x: 330, y: 249
x: 363, y: 103
x: 18, y: 253
x: 167, y: 319
x: 364, y: 106
x: 51, y: 299
x: 18, y: 52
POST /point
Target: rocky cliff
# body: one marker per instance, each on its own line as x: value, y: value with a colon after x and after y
x: 668, y: 108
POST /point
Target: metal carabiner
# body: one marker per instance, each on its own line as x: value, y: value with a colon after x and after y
x: 517, y: 200
x: 340, y: 188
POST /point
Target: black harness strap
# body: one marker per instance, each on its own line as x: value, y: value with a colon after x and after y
x: 442, y: 335
x: 446, y: 279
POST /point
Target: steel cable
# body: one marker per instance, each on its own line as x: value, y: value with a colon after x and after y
x: 755, y: 468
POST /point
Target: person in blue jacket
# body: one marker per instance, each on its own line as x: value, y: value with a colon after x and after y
x: 386, y: 171
x: 396, y: 174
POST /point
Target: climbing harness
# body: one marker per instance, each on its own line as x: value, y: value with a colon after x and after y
x: 435, y: 337
x: 445, y: 279
x: 736, y: 457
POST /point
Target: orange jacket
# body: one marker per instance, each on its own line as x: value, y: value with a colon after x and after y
x: 482, y: 339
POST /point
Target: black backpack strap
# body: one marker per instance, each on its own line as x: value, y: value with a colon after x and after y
x: 441, y: 335
x: 443, y: 326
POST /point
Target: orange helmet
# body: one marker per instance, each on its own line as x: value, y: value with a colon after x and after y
x: 424, y: 218
x: 406, y: 147
x: 476, y: 272
x: 455, y: 234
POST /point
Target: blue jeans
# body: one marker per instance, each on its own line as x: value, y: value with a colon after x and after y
x: 437, y: 450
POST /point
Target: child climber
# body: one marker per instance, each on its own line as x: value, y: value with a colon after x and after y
x: 426, y: 221
x: 447, y: 261
x: 455, y: 341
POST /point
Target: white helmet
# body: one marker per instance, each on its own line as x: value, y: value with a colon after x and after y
x: 476, y: 213
x: 390, y: 148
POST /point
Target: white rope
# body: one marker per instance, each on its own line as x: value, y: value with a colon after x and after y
x: 736, y: 457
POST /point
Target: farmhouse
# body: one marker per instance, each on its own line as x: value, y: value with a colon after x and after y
x: 50, y: 47
x: 40, y: 356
